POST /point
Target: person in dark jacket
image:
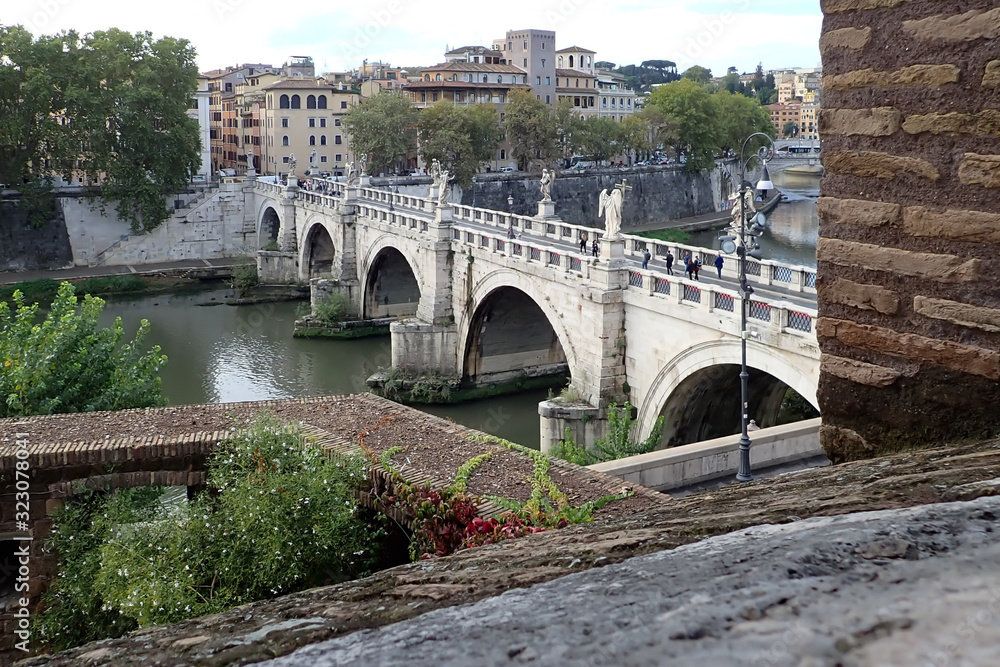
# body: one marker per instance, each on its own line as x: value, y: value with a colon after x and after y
x: 718, y: 264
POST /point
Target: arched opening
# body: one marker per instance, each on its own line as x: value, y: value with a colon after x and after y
x: 321, y: 102
x: 319, y: 245
x: 571, y: 62
x: 283, y: 102
x: 509, y: 338
x: 270, y: 225
x: 296, y: 102
x: 392, y: 289
x: 706, y: 404
x: 311, y: 102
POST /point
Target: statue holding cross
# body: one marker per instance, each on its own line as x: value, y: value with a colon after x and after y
x: 611, y: 201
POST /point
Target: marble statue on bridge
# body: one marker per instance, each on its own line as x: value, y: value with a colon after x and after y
x: 363, y: 164
x: 442, y: 185
x: 351, y: 174
x: 611, y: 201
x: 250, y: 167
x: 546, y: 184
x: 291, y: 167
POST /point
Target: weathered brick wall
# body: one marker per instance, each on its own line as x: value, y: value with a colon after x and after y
x: 909, y: 249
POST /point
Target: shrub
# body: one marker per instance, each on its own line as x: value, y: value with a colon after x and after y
x: 336, y: 307
x: 272, y: 246
x: 618, y: 443
x: 279, y: 516
x: 244, y: 276
x: 67, y: 363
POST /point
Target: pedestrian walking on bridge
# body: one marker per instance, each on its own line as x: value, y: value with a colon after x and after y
x: 645, y: 259
x: 718, y: 264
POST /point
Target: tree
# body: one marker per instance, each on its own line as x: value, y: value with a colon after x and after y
x: 604, y: 64
x: 661, y: 129
x: 790, y: 129
x: 111, y: 106
x: 568, y: 131
x: 696, y: 114
x: 739, y: 117
x: 385, y: 128
x: 530, y: 129
x: 601, y: 138
x: 461, y: 138
x: 698, y: 74
x: 67, y: 363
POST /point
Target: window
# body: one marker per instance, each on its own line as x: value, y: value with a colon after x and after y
x: 285, y: 159
x: 577, y: 82
x: 571, y: 62
x: 283, y: 102
x: 538, y: 80
x: 322, y: 158
x: 548, y: 81
x: 343, y: 104
x: 510, y: 46
x: 311, y: 102
x: 338, y: 157
x: 321, y: 102
x: 499, y: 78
x: 322, y: 122
x: 284, y: 122
x: 543, y: 62
x: 548, y: 99
x: 312, y: 122
x: 423, y: 97
x: 525, y: 62
x: 485, y: 78
x: 312, y: 139
x: 503, y: 154
x: 435, y: 97
x: 526, y: 45
x: 296, y: 102
x: 437, y: 77
x: 604, y: 102
x: 336, y: 122
x: 337, y: 139
x: 284, y: 140
x: 322, y: 140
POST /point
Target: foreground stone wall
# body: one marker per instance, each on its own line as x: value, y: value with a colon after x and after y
x: 909, y: 289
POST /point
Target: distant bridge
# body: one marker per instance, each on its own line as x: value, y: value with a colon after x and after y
x: 475, y: 304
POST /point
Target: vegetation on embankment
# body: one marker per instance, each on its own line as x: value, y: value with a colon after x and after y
x: 667, y: 235
x: 278, y: 516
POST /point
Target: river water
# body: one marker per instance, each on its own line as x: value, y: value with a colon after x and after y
x: 793, y: 227
x: 224, y: 353
x: 221, y: 353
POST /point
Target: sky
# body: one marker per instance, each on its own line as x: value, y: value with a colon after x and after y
x: 340, y: 35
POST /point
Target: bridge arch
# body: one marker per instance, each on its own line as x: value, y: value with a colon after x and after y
x: 698, y: 391
x: 390, y: 281
x: 524, y: 333
x: 268, y: 224
x: 318, y: 250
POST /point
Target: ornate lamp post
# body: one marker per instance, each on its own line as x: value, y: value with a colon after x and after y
x: 510, y: 216
x: 748, y: 223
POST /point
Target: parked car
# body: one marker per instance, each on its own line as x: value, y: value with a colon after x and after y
x: 507, y: 170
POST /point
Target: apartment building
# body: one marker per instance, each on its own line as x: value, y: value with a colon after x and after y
x: 460, y: 82
x: 615, y: 99
x: 303, y: 117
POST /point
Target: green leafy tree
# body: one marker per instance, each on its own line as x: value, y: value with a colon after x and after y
x: 385, y: 128
x: 568, y: 132
x: 739, y: 117
x: 530, y: 129
x: 461, y: 138
x: 698, y: 74
x: 601, y: 137
x: 790, y: 129
x: 68, y: 363
x: 109, y: 105
x: 696, y: 114
x: 661, y: 129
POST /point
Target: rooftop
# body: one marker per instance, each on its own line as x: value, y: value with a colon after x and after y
x: 575, y: 49
x: 474, y: 67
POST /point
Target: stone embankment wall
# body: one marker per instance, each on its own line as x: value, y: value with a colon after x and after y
x: 909, y: 277
x: 24, y: 247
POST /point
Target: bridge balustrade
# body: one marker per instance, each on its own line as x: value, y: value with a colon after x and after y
x: 635, y: 279
x: 691, y: 293
x: 725, y: 302
x: 759, y: 310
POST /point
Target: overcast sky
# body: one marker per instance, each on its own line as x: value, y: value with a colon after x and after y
x: 340, y: 35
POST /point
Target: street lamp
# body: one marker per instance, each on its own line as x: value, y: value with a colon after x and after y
x: 752, y: 226
x: 510, y: 216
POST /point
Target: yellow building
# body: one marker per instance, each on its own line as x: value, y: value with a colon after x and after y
x: 303, y: 117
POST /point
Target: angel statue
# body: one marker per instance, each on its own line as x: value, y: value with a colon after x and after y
x: 443, y: 188
x: 351, y: 173
x: 363, y: 164
x: 546, y: 184
x: 312, y: 162
x: 435, y: 170
x: 291, y: 166
x: 611, y: 207
x: 250, y: 157
x: 737, y: 211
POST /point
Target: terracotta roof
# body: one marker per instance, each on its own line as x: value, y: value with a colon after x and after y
x: 428, y: 85
x: 575, y: 49
x: 573, y: 72
x: 475, y: 67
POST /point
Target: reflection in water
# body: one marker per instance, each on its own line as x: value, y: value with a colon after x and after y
x: 224, y: 353
x: 793, y: 227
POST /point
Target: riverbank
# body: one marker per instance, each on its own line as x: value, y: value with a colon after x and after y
x: 700, y: 223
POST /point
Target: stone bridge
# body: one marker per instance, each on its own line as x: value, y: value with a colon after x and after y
x: 802, y: 163
x: 486, y: 297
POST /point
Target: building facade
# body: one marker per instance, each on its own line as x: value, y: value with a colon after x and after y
x: 534, y: 51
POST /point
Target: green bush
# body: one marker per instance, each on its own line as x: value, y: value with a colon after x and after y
x: 67, y: 363
x: 111, y: 285
x: 278, y: 516
x: 667, y: 235
x: 271, y: 246
x: 618, y: 443
x: 244, y: 276
x: 336, y: 307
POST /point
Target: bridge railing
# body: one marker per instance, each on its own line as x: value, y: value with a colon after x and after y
x: 792, y: 277
x: 556, y: 230
x: 530, y: 252
x: 773, y: 315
